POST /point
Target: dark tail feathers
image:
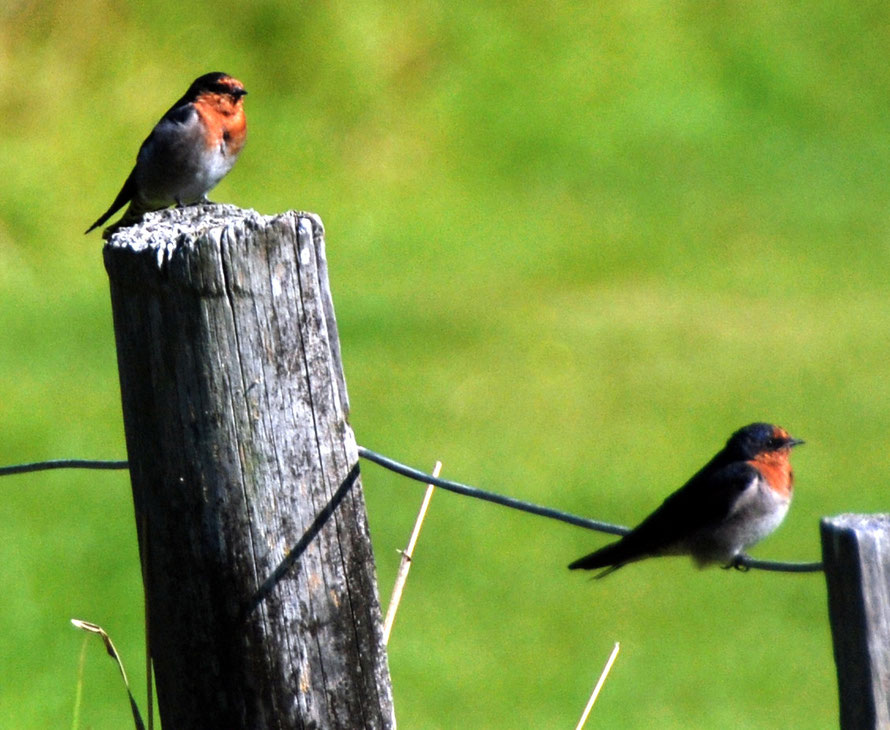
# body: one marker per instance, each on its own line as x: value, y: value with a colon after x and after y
x: 123, y: 197
x: 611, y: 557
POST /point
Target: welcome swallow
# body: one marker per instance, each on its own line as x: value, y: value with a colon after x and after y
x: 188, y: 152
x: 738, y: 498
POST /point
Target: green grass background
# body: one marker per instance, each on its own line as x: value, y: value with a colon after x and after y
x: 573, y: 246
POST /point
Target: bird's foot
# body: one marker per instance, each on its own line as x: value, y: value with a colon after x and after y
x: 203, y: 200
x: 739, y: 562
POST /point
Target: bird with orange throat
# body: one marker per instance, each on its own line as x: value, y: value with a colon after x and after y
x: 188, y: 152
x: 738, y: 498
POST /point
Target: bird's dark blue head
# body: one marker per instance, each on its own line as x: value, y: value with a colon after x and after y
x: 758, y: 438
x: 215, y: 83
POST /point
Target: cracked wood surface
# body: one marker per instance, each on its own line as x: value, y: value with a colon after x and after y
x: 252, y: 528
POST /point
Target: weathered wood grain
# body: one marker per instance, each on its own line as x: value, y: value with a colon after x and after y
x: 856, y: 551
x: 252, y: 529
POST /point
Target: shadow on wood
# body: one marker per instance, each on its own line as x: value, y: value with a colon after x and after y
x: 297, y: 550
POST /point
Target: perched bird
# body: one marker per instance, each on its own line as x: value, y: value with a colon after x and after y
x: 188, y: 152
x: 738, y: 498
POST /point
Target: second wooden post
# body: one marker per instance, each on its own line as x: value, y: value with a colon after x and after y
x: 856, y: 552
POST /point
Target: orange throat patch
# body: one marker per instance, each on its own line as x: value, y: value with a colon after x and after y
x: 776, y: 469
x: 224, y: 120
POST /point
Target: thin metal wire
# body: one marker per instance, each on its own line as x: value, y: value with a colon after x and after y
x: 742, y: 562
x: 745, y: 562
x: 467, y: 490
x: 61, y: 464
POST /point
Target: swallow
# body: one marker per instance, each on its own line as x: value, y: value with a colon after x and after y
x: 188, y: 152
x: 734, y: 501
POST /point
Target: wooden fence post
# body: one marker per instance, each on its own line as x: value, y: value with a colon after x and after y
x: 856, y: 553
x: 257, y: 563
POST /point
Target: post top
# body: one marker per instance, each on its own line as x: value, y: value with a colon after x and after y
x: 164, y: 231
x: 860, y: 522
x: 170, y: 223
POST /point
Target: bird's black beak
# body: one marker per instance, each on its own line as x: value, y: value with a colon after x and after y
x: 792, y: 442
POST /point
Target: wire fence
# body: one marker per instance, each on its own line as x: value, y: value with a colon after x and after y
x: 742, y: 562
x: 61, y: 464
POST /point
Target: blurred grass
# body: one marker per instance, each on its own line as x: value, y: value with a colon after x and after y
x: 572, y: 248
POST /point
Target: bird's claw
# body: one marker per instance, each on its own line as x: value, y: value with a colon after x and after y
x: 739, y: 562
